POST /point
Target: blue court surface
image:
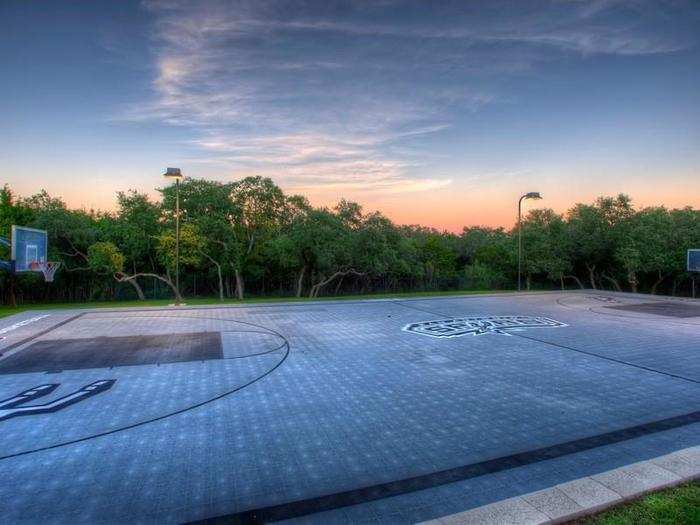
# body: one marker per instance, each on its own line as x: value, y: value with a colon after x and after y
x: 383, y: 411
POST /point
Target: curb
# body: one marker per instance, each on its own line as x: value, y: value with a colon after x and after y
x: 589, y: 495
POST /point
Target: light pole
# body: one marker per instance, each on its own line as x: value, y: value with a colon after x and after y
x: 529, y: 195
x: 174, y: 173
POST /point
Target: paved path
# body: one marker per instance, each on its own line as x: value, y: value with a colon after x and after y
x: 569, y: 501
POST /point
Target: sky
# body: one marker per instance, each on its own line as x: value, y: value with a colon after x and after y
x: 438, y: 113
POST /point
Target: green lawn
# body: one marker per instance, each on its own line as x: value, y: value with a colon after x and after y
x: 6, y: 310
x: 675, y: 506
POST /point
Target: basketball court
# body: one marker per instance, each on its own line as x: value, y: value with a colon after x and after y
x: 378, y: 411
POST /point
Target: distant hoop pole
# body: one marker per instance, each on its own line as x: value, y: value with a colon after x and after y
x: 175, y: 173
x: 6, y: 265
x: 528, y: 195
x: 693, y: 265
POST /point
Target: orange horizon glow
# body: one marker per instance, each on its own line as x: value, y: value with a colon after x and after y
x: 449, y: 208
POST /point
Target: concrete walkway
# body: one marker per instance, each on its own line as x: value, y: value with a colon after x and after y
x: 572, y: 500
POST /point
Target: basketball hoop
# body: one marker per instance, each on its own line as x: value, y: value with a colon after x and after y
x: 47, y: 268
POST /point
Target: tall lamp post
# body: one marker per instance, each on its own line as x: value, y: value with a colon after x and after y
x: 174, y: 173
x: 529, y: 195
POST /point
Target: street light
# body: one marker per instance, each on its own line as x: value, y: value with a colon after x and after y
x: 530, y: 195
x: 174, y: 173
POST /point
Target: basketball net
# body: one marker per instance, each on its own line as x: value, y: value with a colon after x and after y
x: 47, y: 268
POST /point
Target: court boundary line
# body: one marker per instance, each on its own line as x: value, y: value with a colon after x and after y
x: 31, y: 338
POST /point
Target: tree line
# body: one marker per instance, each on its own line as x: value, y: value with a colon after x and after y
x: 249, y: 238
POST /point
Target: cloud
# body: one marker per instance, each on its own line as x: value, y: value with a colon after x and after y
x: 309, y: 163
x: 348, y: 95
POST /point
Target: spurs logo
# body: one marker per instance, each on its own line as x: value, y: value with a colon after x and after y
x: 495, y: 324
x: 15, y: 406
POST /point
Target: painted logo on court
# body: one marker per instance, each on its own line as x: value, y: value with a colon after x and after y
x: 17, y: 405
x: 492, y: 324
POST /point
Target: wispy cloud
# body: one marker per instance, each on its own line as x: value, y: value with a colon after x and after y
x: 322, y: 95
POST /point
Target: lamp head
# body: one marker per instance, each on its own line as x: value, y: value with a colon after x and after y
x: 533, y: 195
x: 173, y: 173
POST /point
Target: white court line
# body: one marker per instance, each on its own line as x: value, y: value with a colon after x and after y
x: 22, y: 323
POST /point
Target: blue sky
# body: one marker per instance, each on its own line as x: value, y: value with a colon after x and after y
x: 438, y: 113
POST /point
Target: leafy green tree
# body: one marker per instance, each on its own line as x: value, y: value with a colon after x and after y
x: 190, y: 248
x: 350, y: 213
x: 259, y: 209
x: 373, y: 248
x: 490, y: 255
x: 546, y: 252
x: 593, y: 231
x: 208, y: 206
x: 70, y: 232
x: 105, y: 258
x: 250, y: 232
x: 438, y: 257
x: 472, y: 239
x: 312, y: 244
x: 408, y: 270
x: 135, y: 227
x: 684, y: 235
x: 438, y: 253
x: 647, y: 247
x: 326, y: 249
x: 12, y: 212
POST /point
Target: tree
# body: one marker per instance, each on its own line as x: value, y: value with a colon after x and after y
x: 208, y: 206
x: 12, y: 212
x: 647, y: 247
x: 593, y: 231
x: 312, y: 244
x: 259, y: 207
x: 251, y: 233
x: 544, y: 235
x: 135, y: 228
x: 70, y: 232
x: 684, y: 235
x: 490, y: 257
x: 350, y: 213
x: 438, y: 253
x: 105, y: 258
x: 408, y: 270
x: 189, y: 252
x: 472, y: 240
x: 373, y: 248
